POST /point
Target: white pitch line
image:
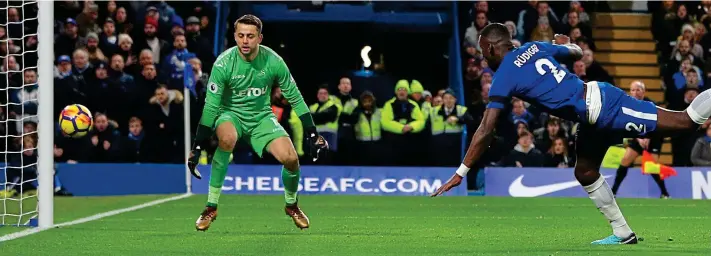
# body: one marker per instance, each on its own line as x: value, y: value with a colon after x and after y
x: 31, y: 231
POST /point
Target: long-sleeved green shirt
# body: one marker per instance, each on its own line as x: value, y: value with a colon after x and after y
x: 244, y: 88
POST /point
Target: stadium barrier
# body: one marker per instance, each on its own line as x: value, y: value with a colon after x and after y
x: 128, y: 179
x: 690, y: 183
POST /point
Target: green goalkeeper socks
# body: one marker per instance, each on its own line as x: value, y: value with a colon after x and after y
x: 217, y: 176
x: 291, y: 185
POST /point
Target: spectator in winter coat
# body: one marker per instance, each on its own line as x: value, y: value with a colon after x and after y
x: 524, y: 153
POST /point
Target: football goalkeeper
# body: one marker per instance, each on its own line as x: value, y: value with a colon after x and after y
x: 238, y: 106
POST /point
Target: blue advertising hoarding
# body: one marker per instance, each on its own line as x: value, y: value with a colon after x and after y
x: 133, y: 179
x: 690, y: 183
x: 341, y: 180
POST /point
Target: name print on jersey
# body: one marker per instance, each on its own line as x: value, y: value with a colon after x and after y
x: 256, y: 92
x: 525, y: 56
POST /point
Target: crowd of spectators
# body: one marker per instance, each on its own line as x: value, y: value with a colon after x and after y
x: 684, y: 46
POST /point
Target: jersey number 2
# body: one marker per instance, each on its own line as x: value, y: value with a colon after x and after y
x: 632, y: 126
x: 557, y: 74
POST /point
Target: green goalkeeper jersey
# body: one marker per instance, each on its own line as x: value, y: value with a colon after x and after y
x: 244, y: 88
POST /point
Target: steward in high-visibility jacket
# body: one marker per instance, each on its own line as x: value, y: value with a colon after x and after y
x: 401, y: 121
x: 366, y: 121
x: 325, y: 114
x: 346, y: 136
x: 416, y: 91
x: 448, y: 123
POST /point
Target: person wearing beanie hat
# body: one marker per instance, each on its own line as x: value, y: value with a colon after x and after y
x: 402, y: 120
x: 416, y: 90
x: 447, y: 122
x: 159, y: 48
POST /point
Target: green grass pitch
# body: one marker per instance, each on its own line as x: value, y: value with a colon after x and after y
x: 370, y: 225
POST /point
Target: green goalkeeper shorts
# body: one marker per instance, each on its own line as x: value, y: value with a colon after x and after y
x: 258, y: 135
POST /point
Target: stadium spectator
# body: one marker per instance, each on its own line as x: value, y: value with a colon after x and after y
x: 134, y: 147
x: 175, y: 62
x: 576, y: 8
x: 92, y: 48
x: 164, y: 123
x: 551, y: 132
x: 67, y: 42
x: 104, y: 140
x: 558, y: 155
x: 682, y: 143
x: 401, y: 121
x: 197, y: 43
x: 701, y: 152
x: 366, y: 120
x: 447, y: 125
x: 573, y: 22
x: 87, y: 20
x: 157, y: 46
x: 346, y: 134
x: 682, y: 17
x: 123, y: 26
x: 288, y: 119
x: 531, y: 18
x: 542, y: 32
x: 108, y: 41
x: 325, y: 113
x: 524, y: 154
x: 579, y: 69
x: 688, y: 43
x: 436, y: 101
x: 25, y: 99
x: 472, y: 33
x: 593, y: 69
x: 519, y: 112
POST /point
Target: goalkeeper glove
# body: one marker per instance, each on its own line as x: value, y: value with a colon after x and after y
x: 202, y: 135
x: 317, y: 144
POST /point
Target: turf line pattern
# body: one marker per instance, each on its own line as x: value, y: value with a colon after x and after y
x: 31, y: 231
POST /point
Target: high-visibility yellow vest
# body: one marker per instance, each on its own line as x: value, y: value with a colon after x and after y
x: 426, y: 110
x: 368, y: 130
x: 347, y: 106
x: 330, y: 126
x: 439, y: 121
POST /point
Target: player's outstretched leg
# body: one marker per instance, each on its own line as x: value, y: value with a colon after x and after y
x: 227, y: 137
x: 283, y: 150
x: 590, y: 152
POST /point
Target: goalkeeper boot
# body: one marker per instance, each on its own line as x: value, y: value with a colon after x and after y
x: 206, y: 218
x: 613, y: 239
x: 300, y: 219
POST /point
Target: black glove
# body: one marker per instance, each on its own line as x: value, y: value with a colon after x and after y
x: 318, y: 146
x: 201, y: 138
x: 193, y: 162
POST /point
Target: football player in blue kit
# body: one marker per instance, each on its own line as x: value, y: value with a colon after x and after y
x: 606, y: 113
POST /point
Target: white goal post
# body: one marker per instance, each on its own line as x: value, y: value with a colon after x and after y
x: 45, y: 127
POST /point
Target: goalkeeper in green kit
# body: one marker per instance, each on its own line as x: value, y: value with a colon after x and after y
x: 238, y: 106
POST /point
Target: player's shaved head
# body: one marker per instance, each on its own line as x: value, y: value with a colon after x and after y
x: 495, y: 42
x: 495, y: 33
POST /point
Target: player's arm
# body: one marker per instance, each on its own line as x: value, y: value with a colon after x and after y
x: 562, y: 47
x: 293, y: 95
x: 213, y: 101
x: 499, y: 96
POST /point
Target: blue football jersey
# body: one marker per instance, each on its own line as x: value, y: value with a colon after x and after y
x: 532, y: 74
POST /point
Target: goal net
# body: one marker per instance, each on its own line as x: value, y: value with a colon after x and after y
x: 21, y: 143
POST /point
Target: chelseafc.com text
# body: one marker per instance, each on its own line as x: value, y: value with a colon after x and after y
x: 333, y: 185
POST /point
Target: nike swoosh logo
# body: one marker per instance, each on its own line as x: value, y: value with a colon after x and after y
x: 517, y: 189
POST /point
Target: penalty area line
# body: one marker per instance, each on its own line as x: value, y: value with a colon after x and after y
x: 94, y: 217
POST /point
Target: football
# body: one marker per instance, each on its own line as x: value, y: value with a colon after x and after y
x: 75, y: 121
